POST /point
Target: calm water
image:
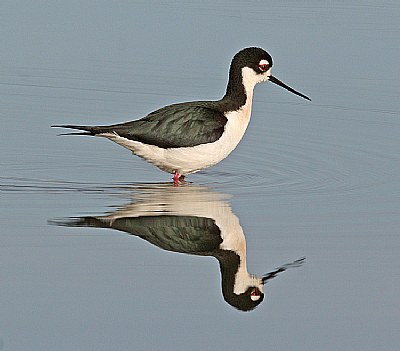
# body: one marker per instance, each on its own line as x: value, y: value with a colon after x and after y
x: 316, y: 179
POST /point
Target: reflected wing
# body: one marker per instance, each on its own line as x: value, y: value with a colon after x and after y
x: 185, y: 234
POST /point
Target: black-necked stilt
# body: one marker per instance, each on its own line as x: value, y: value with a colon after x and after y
x: 194, y: 221
x: 187, y: 137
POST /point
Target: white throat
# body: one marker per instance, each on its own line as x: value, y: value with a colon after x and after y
x: 250, y: 78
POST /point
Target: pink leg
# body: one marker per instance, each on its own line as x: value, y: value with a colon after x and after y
x: 178, y: 178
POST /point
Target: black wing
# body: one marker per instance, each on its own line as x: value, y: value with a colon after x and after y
x: 179, y: 125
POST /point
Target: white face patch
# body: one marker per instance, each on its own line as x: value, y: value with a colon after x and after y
x: 251, y: 78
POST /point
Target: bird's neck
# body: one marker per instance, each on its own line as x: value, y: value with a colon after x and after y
x: 239, y: 92
x: 234, y: 275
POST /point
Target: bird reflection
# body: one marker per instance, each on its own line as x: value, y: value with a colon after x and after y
x: 192, y: 220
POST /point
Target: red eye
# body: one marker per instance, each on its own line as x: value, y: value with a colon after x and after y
x: 263, y: 67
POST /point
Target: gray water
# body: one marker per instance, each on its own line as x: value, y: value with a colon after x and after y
x: 316, y: 179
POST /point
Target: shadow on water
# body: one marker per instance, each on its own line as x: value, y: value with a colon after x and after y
x: 193, y: 220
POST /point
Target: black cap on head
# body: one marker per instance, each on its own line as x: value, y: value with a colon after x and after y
x: 251, y: 57
x: 245, y: 301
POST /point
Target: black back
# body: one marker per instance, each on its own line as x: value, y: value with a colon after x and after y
x: 178, y: 125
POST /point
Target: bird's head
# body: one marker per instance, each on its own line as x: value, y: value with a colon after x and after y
x: 247, y: 290
x: 255, y: 65
x: 248, y: 299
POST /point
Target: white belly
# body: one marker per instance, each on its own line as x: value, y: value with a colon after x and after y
x: 186, y: 160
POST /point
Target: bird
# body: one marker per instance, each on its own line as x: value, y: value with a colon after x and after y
x: 195, y: 221
x: 184, y: 138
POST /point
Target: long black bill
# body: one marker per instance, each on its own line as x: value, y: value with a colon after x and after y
x: 283, y: 268
x: 283, y: 85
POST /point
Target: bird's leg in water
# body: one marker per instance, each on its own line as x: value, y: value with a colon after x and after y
x: 178, y: 178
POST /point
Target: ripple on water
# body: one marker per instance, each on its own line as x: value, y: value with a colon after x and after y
x: 32, y: 185
x: 285, y: 166
x: 307, y: 167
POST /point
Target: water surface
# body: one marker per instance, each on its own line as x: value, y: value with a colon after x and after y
x: 313, y: 179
